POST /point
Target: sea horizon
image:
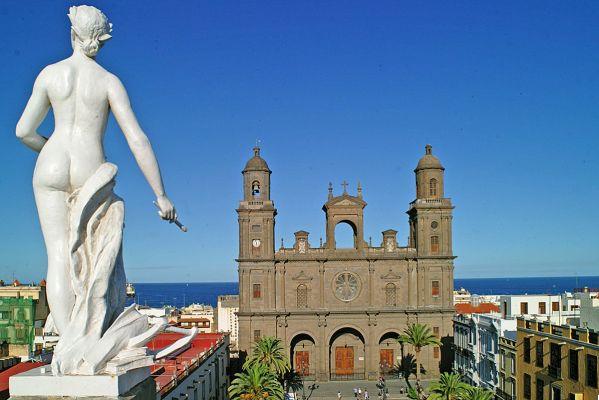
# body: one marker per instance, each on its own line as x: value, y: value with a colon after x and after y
x: 179, y: 294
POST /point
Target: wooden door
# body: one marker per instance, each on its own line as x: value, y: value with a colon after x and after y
x: 344, y: 360
x: 302, y: 362
x: 386, y: 359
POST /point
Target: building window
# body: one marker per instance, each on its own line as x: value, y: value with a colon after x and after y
x: 524, y: 307
x: 256, y: 189
x: 436, y: 352
x: 527, y: 350
x: 257, y: 290
x: 526, y: 386
x: 390, y: 294
x: 591, y: 371
x: 432, y: 188
x: 256, y: 335
x: 539, y: 354
x: 555, y: 360
x: 434, y: 244
x: 555, y: 306
x: 435, y: 289
x: 436, y: 331
x: 542, y: 308
x: 302, y: 296
x: 539, y: 389
x: 573, y: 364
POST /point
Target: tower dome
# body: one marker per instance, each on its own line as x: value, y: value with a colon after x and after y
x: 256, y: 163
x: 429, y: 161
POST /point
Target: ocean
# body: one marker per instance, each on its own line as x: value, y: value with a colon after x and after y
x: 182, y: 294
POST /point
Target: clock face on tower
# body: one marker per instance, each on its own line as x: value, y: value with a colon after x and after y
x: 346, y: 286
x: 256, y: 242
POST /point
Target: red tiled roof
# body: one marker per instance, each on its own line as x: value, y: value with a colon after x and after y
x: 482, y: 308
x: 165, y: 370
x: 15, y: 369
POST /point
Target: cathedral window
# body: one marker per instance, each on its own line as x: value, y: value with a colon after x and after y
x: 434, y: 244
x: 432, y: 187
x: 436, y: 352
x: 390, y: 294
x: 256, y: 189
x: 435, y: 289
x: 302, y: 296
x: 257, y: 290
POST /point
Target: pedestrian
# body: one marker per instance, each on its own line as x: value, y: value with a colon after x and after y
x: 356, y: 392
x: 359, y: 392
x: 366, y: 395
x: 338, y: 395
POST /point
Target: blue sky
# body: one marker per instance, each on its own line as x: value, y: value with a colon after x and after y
x: 506, y: 92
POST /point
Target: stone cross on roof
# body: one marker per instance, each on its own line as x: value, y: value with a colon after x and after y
x: 344, y: 184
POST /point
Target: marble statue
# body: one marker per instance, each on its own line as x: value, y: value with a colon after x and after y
x: 80, y: 215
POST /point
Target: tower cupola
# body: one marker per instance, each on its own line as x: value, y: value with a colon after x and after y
x: 429, y: 176
x: 256, y: 178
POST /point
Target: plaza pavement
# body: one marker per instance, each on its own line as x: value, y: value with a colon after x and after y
x: 328, y: 390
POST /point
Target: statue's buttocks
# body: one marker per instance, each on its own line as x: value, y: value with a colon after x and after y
x: 77, y: 90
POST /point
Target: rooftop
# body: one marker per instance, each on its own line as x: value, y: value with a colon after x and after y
x: 172, y: 369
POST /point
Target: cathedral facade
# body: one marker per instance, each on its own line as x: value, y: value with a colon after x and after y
x: 339, y: 311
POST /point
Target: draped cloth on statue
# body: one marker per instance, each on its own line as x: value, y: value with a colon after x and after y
x: 98, y: 328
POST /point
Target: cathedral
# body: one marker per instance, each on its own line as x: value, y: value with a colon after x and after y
x: 339, y: 311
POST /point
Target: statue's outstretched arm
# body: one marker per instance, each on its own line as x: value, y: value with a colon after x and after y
x: 139, y: 144
x: 35, y: 111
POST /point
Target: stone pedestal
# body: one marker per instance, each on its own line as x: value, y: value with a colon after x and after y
x: 40, y: 384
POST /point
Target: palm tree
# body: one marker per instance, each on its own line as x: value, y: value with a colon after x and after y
x: 419, y: 336
x: 293, y: 381
x: 270, y: 352
x: 478, y: 393
x: 449, y: 387
x: 257, y: 382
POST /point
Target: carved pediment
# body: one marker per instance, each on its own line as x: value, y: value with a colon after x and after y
x: 302, y: 276
x: 391, y: 276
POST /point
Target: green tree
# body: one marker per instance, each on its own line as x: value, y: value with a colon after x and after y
x: 269, y: 351
x: 478, y: 393
x: 448, y: 387
x: 293, y: 381
x: 419, y: 336
x: 257, y: 382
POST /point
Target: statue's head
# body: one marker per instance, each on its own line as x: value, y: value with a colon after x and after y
x: 89, y: 29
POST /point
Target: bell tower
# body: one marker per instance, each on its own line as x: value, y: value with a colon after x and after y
x: 431, y: 212
x: 256, y: 212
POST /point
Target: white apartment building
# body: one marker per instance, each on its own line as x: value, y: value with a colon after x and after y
x: 589, y: 310
x: 558, y: 309
x: 226, y: 310
x: 200, y: 316
x: 476, y: 346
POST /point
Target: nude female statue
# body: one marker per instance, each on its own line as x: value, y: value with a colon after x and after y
x: 80, y: 216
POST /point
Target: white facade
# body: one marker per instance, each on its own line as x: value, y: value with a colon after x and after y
x: 227, y: 321
x: 476, y: 343
x: 200, y: 316
x: 589, y: 310
x: 558, y: 309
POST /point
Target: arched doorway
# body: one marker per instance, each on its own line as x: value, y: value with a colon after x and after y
x: 303, y: 353
x: 347, y: 359
x: 389, y: 354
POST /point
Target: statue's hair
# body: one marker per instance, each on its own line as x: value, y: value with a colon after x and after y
x: 91, y: 27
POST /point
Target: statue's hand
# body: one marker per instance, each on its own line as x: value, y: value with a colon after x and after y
x: 167, y: 209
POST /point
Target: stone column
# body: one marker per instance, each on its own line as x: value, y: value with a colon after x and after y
x: 371, y: 283
x: 321, y: 283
